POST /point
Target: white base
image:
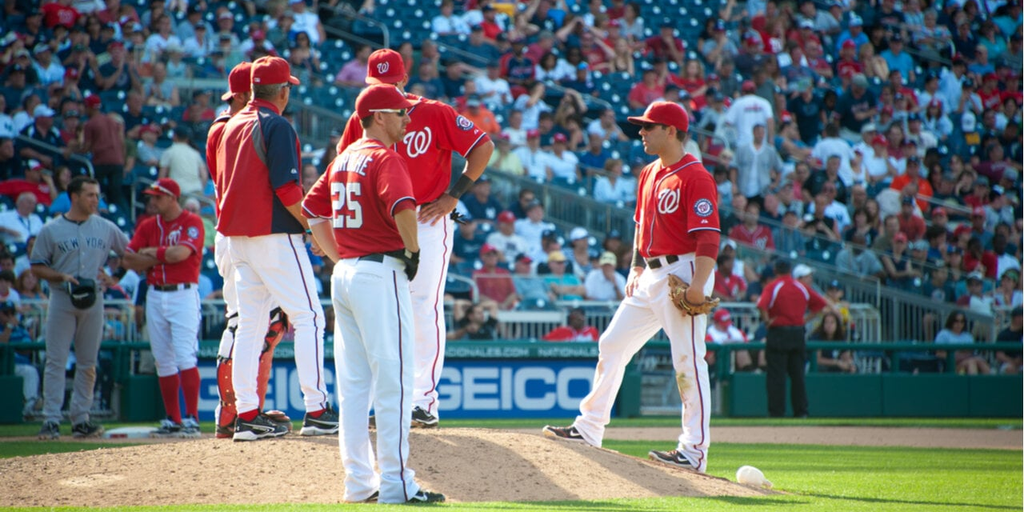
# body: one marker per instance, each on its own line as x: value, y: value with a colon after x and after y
x: 129, y: 433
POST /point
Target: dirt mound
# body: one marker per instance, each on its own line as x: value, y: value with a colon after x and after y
x: 466, y: 464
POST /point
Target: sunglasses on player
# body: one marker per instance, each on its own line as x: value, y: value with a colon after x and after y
x: 400, y: 112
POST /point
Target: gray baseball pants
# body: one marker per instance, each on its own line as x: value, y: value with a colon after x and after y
x: 66, y: 324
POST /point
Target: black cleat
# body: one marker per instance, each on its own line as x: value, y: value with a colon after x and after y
x: 325, y: 424
x: 424, y: 496
x: 673, y: 458
x: 258, y: 428
x: 86, y: 429
x: 563, y: 433
x: 49, y: 430
x: 423, y: 419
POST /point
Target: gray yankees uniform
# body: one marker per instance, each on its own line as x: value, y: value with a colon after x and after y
x: 79, y: 249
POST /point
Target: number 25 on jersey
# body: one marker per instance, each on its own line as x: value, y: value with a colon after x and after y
x: 347, y: 211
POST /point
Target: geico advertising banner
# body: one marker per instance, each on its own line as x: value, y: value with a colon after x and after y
x: 467, y: 388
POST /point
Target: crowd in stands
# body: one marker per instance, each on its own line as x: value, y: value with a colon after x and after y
x: 881, y: 138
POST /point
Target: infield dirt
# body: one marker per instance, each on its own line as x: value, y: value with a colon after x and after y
x: 466, y: 464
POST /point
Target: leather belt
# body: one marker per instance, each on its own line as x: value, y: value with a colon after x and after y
x: 171, y: 287
x: 656, y: 262
x: 377, y: 256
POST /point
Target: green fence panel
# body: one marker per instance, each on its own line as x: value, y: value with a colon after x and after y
x: 140, y: 398
x: 938, y: 395
x: 831, y: 394
x: 996, y: 396
x: 11, y: 401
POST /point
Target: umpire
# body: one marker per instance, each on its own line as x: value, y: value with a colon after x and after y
x: 70, y: 253
x: 783, y: 305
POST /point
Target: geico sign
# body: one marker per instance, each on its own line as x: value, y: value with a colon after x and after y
x: 528, y: 388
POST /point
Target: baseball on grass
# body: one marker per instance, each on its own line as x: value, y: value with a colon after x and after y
x: 749, y: 475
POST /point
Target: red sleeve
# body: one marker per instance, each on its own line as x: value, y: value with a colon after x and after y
x: 394, y: 184
x: 702, y: 199
x: 816, y: 302
x: 353, y: 132
x: 707, y: 243
x: 289, y: 193
x: 194, y: 234
x: 212, y: 141
x: 557, y: 334
x: 592, y: 332
x: 762, y: 302
x: 458, y: 133
x: 141, y: 236
x: 317, y: 203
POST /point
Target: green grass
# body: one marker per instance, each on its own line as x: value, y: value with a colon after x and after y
x: 814, y: 478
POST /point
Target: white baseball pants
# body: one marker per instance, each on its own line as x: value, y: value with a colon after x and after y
x: 427, y: 291
x: 276, y: 268
x: 638, y: 319
x: 226, y: 269
x: 373, y: 354
x: 172, y: 321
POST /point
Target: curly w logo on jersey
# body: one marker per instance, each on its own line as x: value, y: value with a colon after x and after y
x: 668, y: 201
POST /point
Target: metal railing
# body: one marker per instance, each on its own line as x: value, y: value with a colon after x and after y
x: 119, y: 322
x: 50, y: 148
x: 347, y: 11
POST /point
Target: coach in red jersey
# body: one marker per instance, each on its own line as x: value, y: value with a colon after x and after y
x: 169, y: 247
x: 783, y: 305
x: 435, y: 130
x: 362, y: 213
x: 677, y: 233
x: 260, y: 196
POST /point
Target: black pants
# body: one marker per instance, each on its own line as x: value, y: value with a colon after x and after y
x: 785, y: 354
x: 111, y: 178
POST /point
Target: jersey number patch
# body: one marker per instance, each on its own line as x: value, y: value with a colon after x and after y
x: 348, y: 213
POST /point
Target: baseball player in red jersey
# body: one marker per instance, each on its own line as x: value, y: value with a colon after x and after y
x: 169, y: 247
x: 260, y: 196
x: 362, y: 213
x: 677, y: 233
x: 238, y: 95
x: 435, y: 130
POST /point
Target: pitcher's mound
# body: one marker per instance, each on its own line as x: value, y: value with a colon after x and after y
x: 464, y: 464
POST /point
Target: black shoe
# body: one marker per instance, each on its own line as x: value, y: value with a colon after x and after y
x: 49, y: 430
x: 86, y: 429
x: 424, y: 496
x: 168, y: 428
x: 223, y: 432
x: 373, y: 497
x: 564, y: 433
x: 673, y: 458
x: 258, y: 428
x: 423, y: 419
x: 325, y: 424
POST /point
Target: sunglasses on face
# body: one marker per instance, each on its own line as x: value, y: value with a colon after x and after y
x: 650, y: 126
x: 400, y: 112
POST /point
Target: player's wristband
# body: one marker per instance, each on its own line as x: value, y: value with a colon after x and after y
x: 638, y: 260
x: 309, y: 231
x: 161, y: 254
x: 461, y: 186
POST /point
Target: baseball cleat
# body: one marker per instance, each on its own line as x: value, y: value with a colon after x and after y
x: 424, y: 496
x: 224, y: 432
x: 49, y: 430
x: 324, y: 424
x: 564, y: 433
x: 259, y: 428
x: 423, y: 419
x: 168, y: 428
x: 86, y: 429
x: 190, y: 427
x: 673, y: 458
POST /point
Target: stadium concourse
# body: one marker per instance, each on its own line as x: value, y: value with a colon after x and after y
x: 878, y: 143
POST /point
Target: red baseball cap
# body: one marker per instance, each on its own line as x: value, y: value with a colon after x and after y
x: 164, y: 187
x: 666, y: 113
x: 532, y: 133
x: 938, y: 210
x: 899, y: 237
x: 385, y: 66
x: 71, y: 73
x: 879, y: 139
x: 487, y: 249
x: 380, y: 97
x: 978, y: 211
x: 748, y: 86
x: 506, y: 216
x: 239, y: 81
x: 559, y: 137
x: 849, y: 43
x: 271, y: 71
x: 92, y: 101
x: 723, y: 316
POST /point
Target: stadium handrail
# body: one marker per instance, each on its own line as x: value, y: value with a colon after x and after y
x: 56, y: 150
x: 346, y: 10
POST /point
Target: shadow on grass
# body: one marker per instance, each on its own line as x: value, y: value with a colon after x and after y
x: 936, y: 505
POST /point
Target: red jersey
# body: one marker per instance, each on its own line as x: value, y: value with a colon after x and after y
x: 730, y: 288
x: 912, y: 226
x: 14, y: 187
x: 212, y: 141
x: 55, y: 14
x: 257, y: 159
x: 187, y: 230
x: 990, y: 99
x: 567, y: 333
x: 988, y: 259
x: 495, y: 284
x: 786, y: 300
x: 672, y: 202
x: 362, y: 190
x: 435, y: 130
x: 760, y: 236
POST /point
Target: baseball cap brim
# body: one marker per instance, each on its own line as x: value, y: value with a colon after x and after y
x: 226, y: 96
x: 386, y: 79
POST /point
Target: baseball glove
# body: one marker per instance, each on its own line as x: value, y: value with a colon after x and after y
x: 677, y: 292
x: 279, y: 417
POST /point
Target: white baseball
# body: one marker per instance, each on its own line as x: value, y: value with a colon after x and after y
x: 749, y: 475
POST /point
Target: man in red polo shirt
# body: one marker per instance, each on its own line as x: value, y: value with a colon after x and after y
x: 169, y: 247
x: 677, y: 233
x: 783, y: 305
x: 104, y: 138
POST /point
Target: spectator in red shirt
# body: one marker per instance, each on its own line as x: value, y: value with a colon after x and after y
x: 646, y: 92
x: 976, y: 258
x: 666, y: 45
x: 729, y: 287
x: 38, y: 180
x: 979, y: 194
x: 577, y: 330
x: 60, y: 12
x: 749, y: 232
x: 910, y: 224
x: 912, y: 174
x: 495, y: 283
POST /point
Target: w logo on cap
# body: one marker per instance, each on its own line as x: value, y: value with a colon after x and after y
x: 382, y: 68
